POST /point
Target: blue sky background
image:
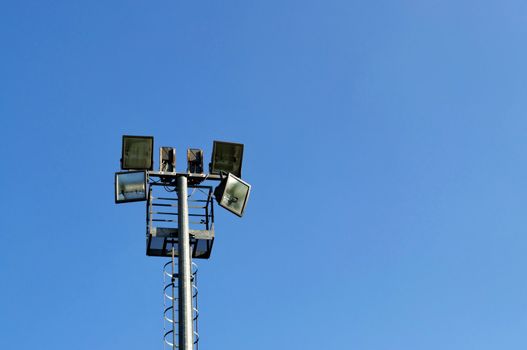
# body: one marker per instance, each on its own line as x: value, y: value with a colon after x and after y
x: 385, y: 142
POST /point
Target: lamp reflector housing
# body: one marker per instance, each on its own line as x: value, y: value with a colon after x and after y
x: 195, y: 161
x: 137, y: 153
x: 232, y: 194
x: 167, y: 159
x: 227, y: 157
x: 130, y: 186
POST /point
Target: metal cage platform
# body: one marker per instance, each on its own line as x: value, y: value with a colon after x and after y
x: 162, y: 205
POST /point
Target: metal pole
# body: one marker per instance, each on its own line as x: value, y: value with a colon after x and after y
x: 173, y: 299
x: 184, y: 285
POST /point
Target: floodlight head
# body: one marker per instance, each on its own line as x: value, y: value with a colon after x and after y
x: 227, y: 157
x: 232, y: 194
x: 195, y: 160
x: 137, y: 153
x: 167, y: 159
x: 130, y: 186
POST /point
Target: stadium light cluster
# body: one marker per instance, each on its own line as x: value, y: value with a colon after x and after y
x: 131, y: 185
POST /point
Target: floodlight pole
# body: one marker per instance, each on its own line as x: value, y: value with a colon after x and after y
x: 184, y: 283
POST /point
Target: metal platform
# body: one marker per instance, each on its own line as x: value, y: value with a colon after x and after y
x: 162, y: 210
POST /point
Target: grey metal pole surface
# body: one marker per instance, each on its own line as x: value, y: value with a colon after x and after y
x: 184, y: 285
x: 173, y: 299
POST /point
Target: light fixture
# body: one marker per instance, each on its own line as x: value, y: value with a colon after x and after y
x: 137, y: 153
x: 130, y: 186
x: 227, y: 157
x: 232, y: 194
x: 195, y: 161
x: 167, y: 159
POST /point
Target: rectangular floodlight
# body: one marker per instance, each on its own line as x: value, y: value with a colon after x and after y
x: 232, y: 194
x: 167, y: 159
x: 130, y: 186
x: 137, y: 153
x: 227, y: 157
x: 195, y: 161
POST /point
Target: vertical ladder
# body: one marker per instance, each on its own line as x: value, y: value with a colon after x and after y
x: 170, y: 304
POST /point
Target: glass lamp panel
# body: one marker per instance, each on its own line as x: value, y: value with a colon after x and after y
x: 137, y: 152
x: 235, y: 195
x: 130, y: 187
x: 227, y: 157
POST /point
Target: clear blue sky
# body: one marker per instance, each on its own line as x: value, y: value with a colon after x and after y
x: 385, y: 142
